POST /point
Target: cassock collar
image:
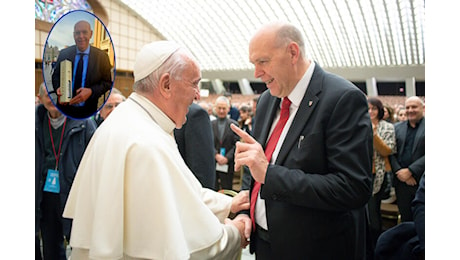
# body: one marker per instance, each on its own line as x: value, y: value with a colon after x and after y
x: 157, y: 115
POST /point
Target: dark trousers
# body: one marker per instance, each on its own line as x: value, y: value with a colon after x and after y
x: 375, y: 218
x: 38, y: 252
x: 224, y: 180
x: 405, y: 194
x: 262, y: 245
x: 51, y: 227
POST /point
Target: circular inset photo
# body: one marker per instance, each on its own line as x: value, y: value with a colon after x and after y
x: 79, y: 64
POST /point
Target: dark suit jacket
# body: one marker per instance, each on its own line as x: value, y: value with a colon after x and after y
x: 405, y: 193
x: 417, y: 167
x: 316, y: 191
x: 195, y: 143
x: 228, y: 142
x: 98, y: 78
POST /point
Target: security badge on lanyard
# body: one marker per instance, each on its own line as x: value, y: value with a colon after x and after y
x: 52, y: 181
x: 52, y: 178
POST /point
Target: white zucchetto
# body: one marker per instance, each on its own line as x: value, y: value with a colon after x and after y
x: 151, y: 56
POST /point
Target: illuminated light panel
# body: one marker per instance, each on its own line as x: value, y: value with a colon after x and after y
x: 352, y: 33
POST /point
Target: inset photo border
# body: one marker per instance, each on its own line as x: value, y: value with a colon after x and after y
x: 78, y: 34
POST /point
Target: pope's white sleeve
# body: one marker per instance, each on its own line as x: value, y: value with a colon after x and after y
x: 218, y: 203
x: 226, y: 248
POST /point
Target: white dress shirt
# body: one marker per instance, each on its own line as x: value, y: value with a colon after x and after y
x: 296, y: 97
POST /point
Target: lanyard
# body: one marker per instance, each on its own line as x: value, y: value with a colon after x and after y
x: 56, y: 155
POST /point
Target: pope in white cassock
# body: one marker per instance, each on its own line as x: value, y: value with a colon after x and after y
x: 133, y: 196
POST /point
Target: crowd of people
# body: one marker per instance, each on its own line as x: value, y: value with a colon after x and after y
x: 141, y: 178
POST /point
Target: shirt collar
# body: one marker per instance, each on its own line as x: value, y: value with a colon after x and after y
x: 416, y: 124
x: 84, y: 52
x: 299, y: 90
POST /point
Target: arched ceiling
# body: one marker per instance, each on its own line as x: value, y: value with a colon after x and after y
x: 357, y: 39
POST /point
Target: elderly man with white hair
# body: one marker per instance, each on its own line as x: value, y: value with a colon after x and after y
x: 134, y: 197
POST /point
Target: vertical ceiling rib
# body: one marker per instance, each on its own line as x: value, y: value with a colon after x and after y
x: 402, y: 44
x: 317, y: 52
x: 367, y: 37
x: 343, y: 37
x: 389, y: 35
x: 419, y: 22
x: 328, y: 52
x: 378, y: 36
x: 415, y: 53
x: 353, y: 35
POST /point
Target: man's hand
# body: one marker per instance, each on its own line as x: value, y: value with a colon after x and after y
x: 82, y: 95
x: 59, y: 94
x: 411, y: 181
x: 403, y: 174
x: 220, y: 159
x: 374, y: 128
x: 250, y: 153
x: 243, y: 223
x: 240, y: 201
x: 247, y: 224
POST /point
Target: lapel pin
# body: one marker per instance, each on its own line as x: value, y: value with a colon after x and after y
x: 310, y: 103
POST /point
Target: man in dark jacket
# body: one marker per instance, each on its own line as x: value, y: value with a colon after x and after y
x: 224, y: 144
x: 408, y: 164
x: 59, y: 146
x: 310, y: 156
x: 195, y: 134
x: 91, y: 83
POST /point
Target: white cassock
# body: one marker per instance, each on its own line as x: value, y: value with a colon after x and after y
x: 133, y: 196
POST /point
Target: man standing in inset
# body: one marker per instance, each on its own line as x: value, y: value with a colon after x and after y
x: 91, y: 74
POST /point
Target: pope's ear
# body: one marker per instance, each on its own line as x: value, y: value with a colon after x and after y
x: 165, y: 83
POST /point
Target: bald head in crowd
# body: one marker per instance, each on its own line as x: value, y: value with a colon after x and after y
x: 415, y: 109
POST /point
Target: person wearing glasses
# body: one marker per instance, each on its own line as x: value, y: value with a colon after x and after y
x: 134, y: 197
x: 115, y: 98
x: 309, y: 156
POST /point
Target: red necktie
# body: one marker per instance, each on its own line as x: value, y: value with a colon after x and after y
x: 271, y: 144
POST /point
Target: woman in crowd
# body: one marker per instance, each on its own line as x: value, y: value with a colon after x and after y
x: 245, y: 121
x: 384, y: 145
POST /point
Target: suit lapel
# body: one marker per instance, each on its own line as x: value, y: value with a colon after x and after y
x: 272, y: 108
x: 71, y: 55
x: 403, y: 136
x: 91, y: 65
x: 215, y: 131
x: 227, y: 130
x: 306, y: 108
x: 419, y: 135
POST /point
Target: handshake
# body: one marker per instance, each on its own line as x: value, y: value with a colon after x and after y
x: 242, y: 221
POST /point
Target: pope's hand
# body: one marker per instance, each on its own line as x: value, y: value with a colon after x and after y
x: 243, y: 224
